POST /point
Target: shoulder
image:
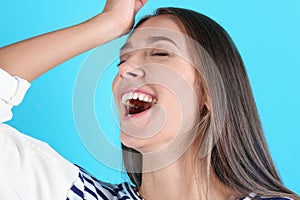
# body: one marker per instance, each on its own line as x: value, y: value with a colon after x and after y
x: 88, y: 187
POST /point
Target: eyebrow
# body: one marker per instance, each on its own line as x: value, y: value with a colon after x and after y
x: 150, y: 40
x: 127, y: 45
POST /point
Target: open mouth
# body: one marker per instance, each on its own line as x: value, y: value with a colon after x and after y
x: 137, y: 102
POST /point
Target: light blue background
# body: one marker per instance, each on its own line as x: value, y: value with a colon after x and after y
x: 267, y: 33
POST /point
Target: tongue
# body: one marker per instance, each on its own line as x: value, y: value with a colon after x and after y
x: 138, y: 106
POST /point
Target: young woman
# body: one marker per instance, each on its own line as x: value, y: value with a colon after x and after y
x: 189, y: 124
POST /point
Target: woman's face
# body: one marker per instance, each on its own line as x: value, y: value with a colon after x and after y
x: 154, y: 87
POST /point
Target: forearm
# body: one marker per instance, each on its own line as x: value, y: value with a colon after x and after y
x: 30, y: 58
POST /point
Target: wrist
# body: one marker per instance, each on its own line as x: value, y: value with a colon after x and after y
x: 111, y: 24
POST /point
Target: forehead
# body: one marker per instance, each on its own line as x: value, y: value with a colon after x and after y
x: 162, y: 31
x: 163, y: 25
x: 163, y: 21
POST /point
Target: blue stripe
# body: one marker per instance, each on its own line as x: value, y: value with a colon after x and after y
x: 77, y: 191
x: 89, y: 180
x: 86, y: 189
x: 129, y: 190
x: 108, y: 189
x: 112, y: 191
x: 98, y: 190
x: 81, y: 178
x: 94, y: 179
x: 100, y: 193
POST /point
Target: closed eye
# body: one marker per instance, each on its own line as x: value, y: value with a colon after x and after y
x: 160, y: 54
x: 154, y: 52
x: 120, y: 63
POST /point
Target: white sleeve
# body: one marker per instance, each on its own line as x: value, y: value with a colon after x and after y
x: 12, y: 91
x: 29, y: 168
x: 32, y: 170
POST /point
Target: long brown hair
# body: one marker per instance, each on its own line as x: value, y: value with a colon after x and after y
x: 240, y: 157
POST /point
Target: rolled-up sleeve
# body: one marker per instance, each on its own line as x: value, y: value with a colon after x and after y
x: 12, y: 92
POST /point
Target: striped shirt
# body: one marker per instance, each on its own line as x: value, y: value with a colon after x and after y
x: 88, y: 187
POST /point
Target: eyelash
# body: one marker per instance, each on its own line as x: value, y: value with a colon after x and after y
x: 120, y: 63
x: 159, y: 52
x: 153, y: 53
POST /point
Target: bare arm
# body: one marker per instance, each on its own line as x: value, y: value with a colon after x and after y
x: 30, y: 58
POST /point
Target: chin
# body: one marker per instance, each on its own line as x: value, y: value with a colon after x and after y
x: 132, y: 142
x: 138, y: 144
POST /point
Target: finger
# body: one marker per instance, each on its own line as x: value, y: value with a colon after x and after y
x: 139, y: 4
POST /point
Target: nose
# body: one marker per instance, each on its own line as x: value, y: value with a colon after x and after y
x: 131, y: 70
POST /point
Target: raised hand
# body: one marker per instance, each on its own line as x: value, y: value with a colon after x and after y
x: 30, y: 58
x: 123, y: 12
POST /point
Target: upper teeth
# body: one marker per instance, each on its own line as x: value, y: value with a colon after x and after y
x: 136, y: 95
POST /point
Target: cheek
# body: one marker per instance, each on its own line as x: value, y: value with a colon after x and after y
x: 115, y: 90
x: 185, y: 69
x: 114, y: 83
x: 183, y: 107
x: 173, y: 108
x: 174, y: 117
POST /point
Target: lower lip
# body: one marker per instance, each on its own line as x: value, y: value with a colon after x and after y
x: 131, y: 117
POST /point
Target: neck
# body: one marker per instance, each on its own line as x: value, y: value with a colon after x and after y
x: 167, y: 183
x: 177, y: 181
